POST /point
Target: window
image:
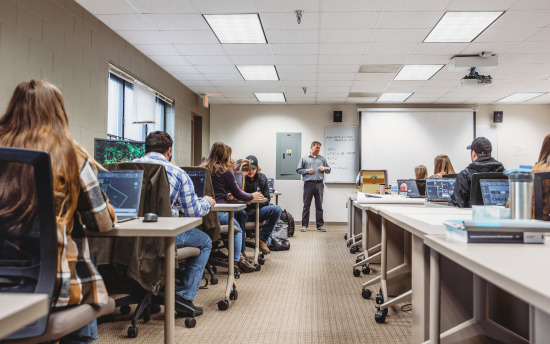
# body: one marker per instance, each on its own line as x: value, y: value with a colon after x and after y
x: 124, y: 93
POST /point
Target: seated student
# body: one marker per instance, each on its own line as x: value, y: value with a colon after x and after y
x: 256, y: 181
x: 481, y: 162
x: 223, y: 181
x: 543, y: 165
x: 420, y: 172
x: 158, y: 149
x: 36, y: 119
x: 442, y: 166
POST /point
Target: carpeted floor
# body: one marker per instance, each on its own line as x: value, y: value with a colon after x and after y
x: 305, y: 295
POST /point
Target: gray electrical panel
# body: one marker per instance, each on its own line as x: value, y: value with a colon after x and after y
x: 289, y: 153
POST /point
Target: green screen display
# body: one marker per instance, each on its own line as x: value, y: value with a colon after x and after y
x: 110, y: 151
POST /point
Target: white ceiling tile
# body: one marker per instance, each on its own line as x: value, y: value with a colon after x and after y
x: 342, y: 48
x: 368, y: 88
x: 143, y: 37
x: 239, y: 89
x: 190, y: 37
x: 406, y: 20
x: 251, y: 100
x: 162, y: 6
x: 157, y: 49
x: 292, y: 36
x: 399, y: 35
x: 392, y: 48
x: 345, y: 35
x: 415, y: 6
x: 524, y: 58
x: 219, y: 100
x: 384, y: 59
x: 297, y: 76
x: 237, y: 94
x: 223, y: 76
x: 526, y: 18
x: 106, y: 6
x: 337, y: 59
x: 498, y: 48
x: 247, y: 49
x: 532, y: 48
x: 333, y: 89
x: 267, y: 88
x: 336, y: 76
x: 296, y: 68
x: 300, y: 96
x: 208, y: 60
x: 224, y: 6
x: 287, y: 6
x: 485, y: 5
x: 199, y: 49
x: 287, y: 20
x: 170, y: 60
x: 332, y: 100
x: 294, y: 49
x: 428, y: 59
x: 176, y: 21
x: 409, y: 83
x: 541, y: 36
x: 531, y: 5
x: 229, y: 83
x: 346, y: 83
x: 198, y: 83
x: 351, y: 5
x: 295, y: 59
x: 186, y: 77
x: 324, y: 68
x: 203, y: 90
x: 299, y: 82
x: 348, y: 20
x: 217, y: 69
x: 376, y: 76
x: 123, y: 22
x: 440, y: 48
x: 249, y: 60
x: 505, y: 34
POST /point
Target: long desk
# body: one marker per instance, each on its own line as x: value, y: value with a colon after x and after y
x: 19, y: 310
x: 168, y: 228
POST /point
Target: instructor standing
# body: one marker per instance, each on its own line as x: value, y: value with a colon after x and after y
x: 313, y: 168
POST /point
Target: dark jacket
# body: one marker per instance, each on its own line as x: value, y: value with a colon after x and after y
x: 461, y: 194
x: 258, y: 184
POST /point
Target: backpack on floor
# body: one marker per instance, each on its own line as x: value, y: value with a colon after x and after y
x: 278, y: 240
x: 289, y: 220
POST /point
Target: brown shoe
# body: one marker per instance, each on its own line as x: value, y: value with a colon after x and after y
x: 245, y: 266
x: 250, y: 260
x: 264, y: 248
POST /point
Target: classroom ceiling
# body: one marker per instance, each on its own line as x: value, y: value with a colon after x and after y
x: 335, y: 37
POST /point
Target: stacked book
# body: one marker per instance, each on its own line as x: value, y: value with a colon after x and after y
x: 497, y: 231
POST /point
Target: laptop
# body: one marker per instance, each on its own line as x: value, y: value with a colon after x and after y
x: 415, y: 188
x: 271, y: 185
x: 198, y: 178
x: 494, y: 191
x: 440, y: 189
x: 239, y: 178
x: 124, y: 191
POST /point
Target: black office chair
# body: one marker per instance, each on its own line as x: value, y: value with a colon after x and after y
x: 476, y: 198
x: 542, y: 199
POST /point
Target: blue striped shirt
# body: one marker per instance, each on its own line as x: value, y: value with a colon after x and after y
x: 182, y: 191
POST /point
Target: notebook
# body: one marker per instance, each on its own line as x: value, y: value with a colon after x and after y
x: 271, y: 184
x: 124, y: 190
x: 198, y: 179
x: 239, y: 178
x: 494, y: 191
x: 440, y: 189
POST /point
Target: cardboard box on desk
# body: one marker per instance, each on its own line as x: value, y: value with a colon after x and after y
x: 371, y: 180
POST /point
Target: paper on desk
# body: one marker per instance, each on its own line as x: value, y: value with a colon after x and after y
x: 438, y: 219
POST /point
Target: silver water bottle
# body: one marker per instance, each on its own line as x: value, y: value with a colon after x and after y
x: 521, y: 194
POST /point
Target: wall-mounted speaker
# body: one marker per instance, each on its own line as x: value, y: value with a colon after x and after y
x: 497, y: 116
x: 337, y: 116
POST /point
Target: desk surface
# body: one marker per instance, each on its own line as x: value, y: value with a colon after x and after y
x: 19, y: 310
x: 520, y: 269
x: 166, y: 226
x: 389, y: 199
x: 228, y: 206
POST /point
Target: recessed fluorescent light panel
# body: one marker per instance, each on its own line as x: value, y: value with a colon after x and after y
x: 393, y: 97
x: 461, y: 26
x: 258, y: 72
x: 521, y: 97
x: 270, y: 97
x: 417, y: 72
x: 236, y: 28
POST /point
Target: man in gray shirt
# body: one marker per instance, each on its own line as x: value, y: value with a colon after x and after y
x: 313, y: 168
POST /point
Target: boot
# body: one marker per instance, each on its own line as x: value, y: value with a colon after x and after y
x: 250, y: 260
x: 263, y: 247
x: 245, y: 266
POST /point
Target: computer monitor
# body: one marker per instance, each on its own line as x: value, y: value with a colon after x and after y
x: 198, y: 178
x: 271, y: 184
x: 124, y: 191
x: 415, y: 188
x: 495, y: 191
x: 440, y: 189
x: 107, y: 151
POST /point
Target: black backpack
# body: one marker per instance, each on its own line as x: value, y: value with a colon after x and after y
x: 278, y: 240
x: 287, y: 218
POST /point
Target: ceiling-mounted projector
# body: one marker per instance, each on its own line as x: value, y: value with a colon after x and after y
x: 482, y: 62
x: 475, y: 79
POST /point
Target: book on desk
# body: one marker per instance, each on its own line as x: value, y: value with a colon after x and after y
x: 497, y: 231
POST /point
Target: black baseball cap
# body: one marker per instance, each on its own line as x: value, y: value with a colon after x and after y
x: 253, y: 161
x: 481, y: 146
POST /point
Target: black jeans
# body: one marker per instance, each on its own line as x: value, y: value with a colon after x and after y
x: 313, y: 189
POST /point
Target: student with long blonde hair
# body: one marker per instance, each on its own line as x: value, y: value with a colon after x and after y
x: 420, y: 172
x: 442, y: 166
x: 36, y: 119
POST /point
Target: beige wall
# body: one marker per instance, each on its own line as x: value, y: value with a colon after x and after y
x: 61, y: 42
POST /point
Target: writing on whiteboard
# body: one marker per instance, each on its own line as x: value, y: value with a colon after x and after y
x: 341, y: 152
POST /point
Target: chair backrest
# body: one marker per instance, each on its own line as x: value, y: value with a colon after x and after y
x: 27, y: 271
x: 476, y: 198
x: 542, y: 196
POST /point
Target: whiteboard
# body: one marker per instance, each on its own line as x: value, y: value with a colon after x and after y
x: 342, y: 153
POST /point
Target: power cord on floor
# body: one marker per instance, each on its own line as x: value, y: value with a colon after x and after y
x: 406, y: 308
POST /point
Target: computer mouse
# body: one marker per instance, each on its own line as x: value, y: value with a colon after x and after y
x: 150, y: 217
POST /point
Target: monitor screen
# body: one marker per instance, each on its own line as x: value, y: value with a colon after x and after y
x: 412, y: 187
x: 495, y: 191
x: 123, y: 189
x: 440, y: 188
x: 198, y: 179
x: 108, y: 151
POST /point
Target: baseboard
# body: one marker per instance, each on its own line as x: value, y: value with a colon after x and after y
x: 299, y: 223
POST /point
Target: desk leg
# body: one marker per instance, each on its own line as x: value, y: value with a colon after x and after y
x: 435, y: 297
x: 384, y: 261
x: 231, y: 254
x: 257, y: 247
x: 169, y: 289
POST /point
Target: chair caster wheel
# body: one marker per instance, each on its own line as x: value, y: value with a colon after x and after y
x: 356, y: 272
x: 354, y: 250
x: 237, y: 274
x: 213, y: 281
x: 261, y: 261
x: 357, y: 260
x: 125, y: 310
x: 190, y: 322
x: 233, y: 294
x: 258, y: 267
x: 366, y: 293
x: 365, y: 270
x: 379, y: 299
x: 132, y: 332
x: 223, y: 305
x: 214, y: 269
x: 348, y: 244
x: 380, y: 316
x: 346, y: 236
